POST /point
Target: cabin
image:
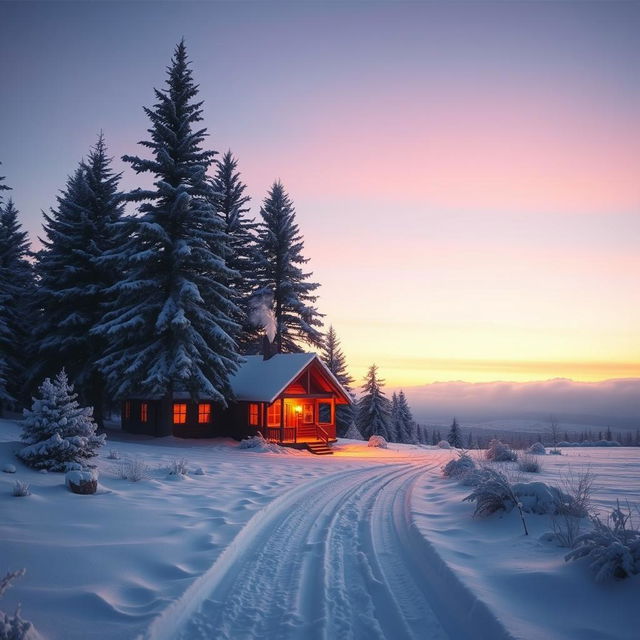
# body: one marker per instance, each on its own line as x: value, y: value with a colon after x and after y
x: 290, y: 398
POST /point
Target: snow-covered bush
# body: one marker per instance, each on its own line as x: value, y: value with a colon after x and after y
x: 473, y: 478
x: 9, y: 468
x: 114, y: 454
x: 555, y: 452
x: 57, y: 430
x: 178, y: 467
x: 81, y: 481
x: 541, y: 498
x: 537, y: 449
x: 443, y: 444
x: 500, y: 452
x: 13, y: 627
x: 21, y: 489
x: 612, y: 548
x: 199, y: 471
x: 259, y: 444
x: 459, y: 466
x: 377, y: 441
x: 529, y: 464
x: 132, y: 469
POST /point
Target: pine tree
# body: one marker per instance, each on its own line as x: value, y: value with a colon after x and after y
x: 57, y: 430
x: 609, y: 434
x: 470, y: 440
x: 408, y: 427
x: 280, y: 246
x: 16, y: 295
x: 374, y: 408
x: 395, y: 423
x: 170, y: 326
x: 454, y: 437
x: 230, y: 202
x: 336, y: 362
x: 74, y: 281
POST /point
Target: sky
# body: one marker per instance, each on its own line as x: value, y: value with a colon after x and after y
x: 465, y: 175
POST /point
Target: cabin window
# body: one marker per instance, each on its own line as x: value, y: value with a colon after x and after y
x: 274, y: 414
x: 144, y: 411
x: 127, y: 409
x: 253, y: 414
x: 204, y: 413
x: 307, y: 416
x: 180, y: 413
x: 324, y: 413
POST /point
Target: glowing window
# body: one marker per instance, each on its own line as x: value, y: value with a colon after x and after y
x: 253, y: 414
x: 307, y: 416
x: 127, y: 409
x: 179, y: 413
x: 144, y: 412
x: 274, y: 414
x: 204, y: 413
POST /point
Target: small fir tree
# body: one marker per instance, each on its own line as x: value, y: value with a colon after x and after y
x: 336, y: 362
x: 408, y: 426
x: 57, y: 430
x: 280, y: 262
x: 454, y: 437
x: 374, y: 408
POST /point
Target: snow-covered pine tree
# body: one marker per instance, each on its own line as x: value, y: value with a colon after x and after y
x: 454, y: 437
x: 408, y: 426
x: 170, y: 326
x: 374, y: 408
x: 16, y: 296
x: 280, y: 258
x: 57, y: 430
x: 230, y: 202
x: 395, y: 424
x: 333, y: 356
x: 74, y: 281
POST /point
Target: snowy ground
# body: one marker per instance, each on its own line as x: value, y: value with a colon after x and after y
x: 363, y: 544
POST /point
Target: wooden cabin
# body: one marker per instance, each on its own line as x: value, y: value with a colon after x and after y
x: 290, y: 398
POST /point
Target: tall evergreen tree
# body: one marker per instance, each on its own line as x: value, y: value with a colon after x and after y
x: 333, y: 356
x: 408, y: 427
x: 280, y: 246
x: 230, y: 201
x: 170, y: 325
x: 454, y: 437
x: 16, y: 294
x: 395, y: 421
x: 374, y: 408
x: 74, y: 281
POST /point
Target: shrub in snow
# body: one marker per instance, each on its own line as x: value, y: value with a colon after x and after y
x: 529, y: 464
x: 537, y: 449
x: 9, y: 468
x: 443, y: 444
x: 113, y: 454
x: 258, y: 444
x: 377, y: 441
x: 132, y: 469
x: 83, y: 482
x: 199, y: 471
x: 459, y: 466
x: 612, y: 548
x: 500, y: 452
x: 555, y: 452
x: 57, y: 430
x: 178, y: 467
x: 20, y: 489
x: 473, y: 478
x: 13, y: 627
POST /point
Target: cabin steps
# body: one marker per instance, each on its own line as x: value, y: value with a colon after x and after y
x: 319, y: 448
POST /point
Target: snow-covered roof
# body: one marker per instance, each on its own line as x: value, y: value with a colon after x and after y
x: 261, y: 380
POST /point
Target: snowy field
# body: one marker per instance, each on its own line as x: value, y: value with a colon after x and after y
x: 363, y: 544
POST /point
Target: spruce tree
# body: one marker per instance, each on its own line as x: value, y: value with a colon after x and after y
x: 74, y: 281
x: 408, y: 427
x: 336, y: 362
x: 16, y: 295
x: 374, y: 408
x: 395, y: 421
x: 280, y: 261
x: 169, y: 325
x: 230, y: 202
x: 454, y: 437
x: 57, y: 430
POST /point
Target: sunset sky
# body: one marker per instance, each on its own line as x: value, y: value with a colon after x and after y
x: 466, y: 175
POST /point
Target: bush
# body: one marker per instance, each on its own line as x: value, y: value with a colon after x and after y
x: 612, y: 548
x: 133, y: 469
x: 377, y: 441
x: 500, y: 452
x: 114, y: 454
x: 459, y: 466
x: 14, y: 627
x: 555, y: 452
x: 81, y: 481
x: 537, y: 449
x: 178, y: 467
x: 443, y: 444
x: 20, y: 489
x: 529, y: 464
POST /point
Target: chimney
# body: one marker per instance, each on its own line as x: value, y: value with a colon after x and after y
x: 269, y: 349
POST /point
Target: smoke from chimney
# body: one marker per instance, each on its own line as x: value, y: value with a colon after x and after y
x: 261, y: 313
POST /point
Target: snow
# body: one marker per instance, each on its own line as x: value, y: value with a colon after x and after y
x: 368, y: 543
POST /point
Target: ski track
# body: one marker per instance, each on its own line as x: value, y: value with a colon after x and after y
x: 333, y: 561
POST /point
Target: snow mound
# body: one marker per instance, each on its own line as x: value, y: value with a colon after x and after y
x: 80, y: 476
x: 9, y: 468
x: 257, y: 444
x: 459, y: 466
x: 443, y: 444
x: 537, y: 449
x: 377, y: 441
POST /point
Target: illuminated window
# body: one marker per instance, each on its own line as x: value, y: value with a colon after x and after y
x: 253, y: 414
x: 204, y: 413
x: 179, y: 413
x: 144, y: 412
x: 127, y: 409
x: 274, y: 414
x: 307, y: 416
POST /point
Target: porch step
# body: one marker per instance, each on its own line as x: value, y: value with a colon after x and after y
x: 319, y: 449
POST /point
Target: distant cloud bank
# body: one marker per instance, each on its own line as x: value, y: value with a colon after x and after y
x: 618, y: 398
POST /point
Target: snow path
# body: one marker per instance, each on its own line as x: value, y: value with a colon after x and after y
x: 326, y: 560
